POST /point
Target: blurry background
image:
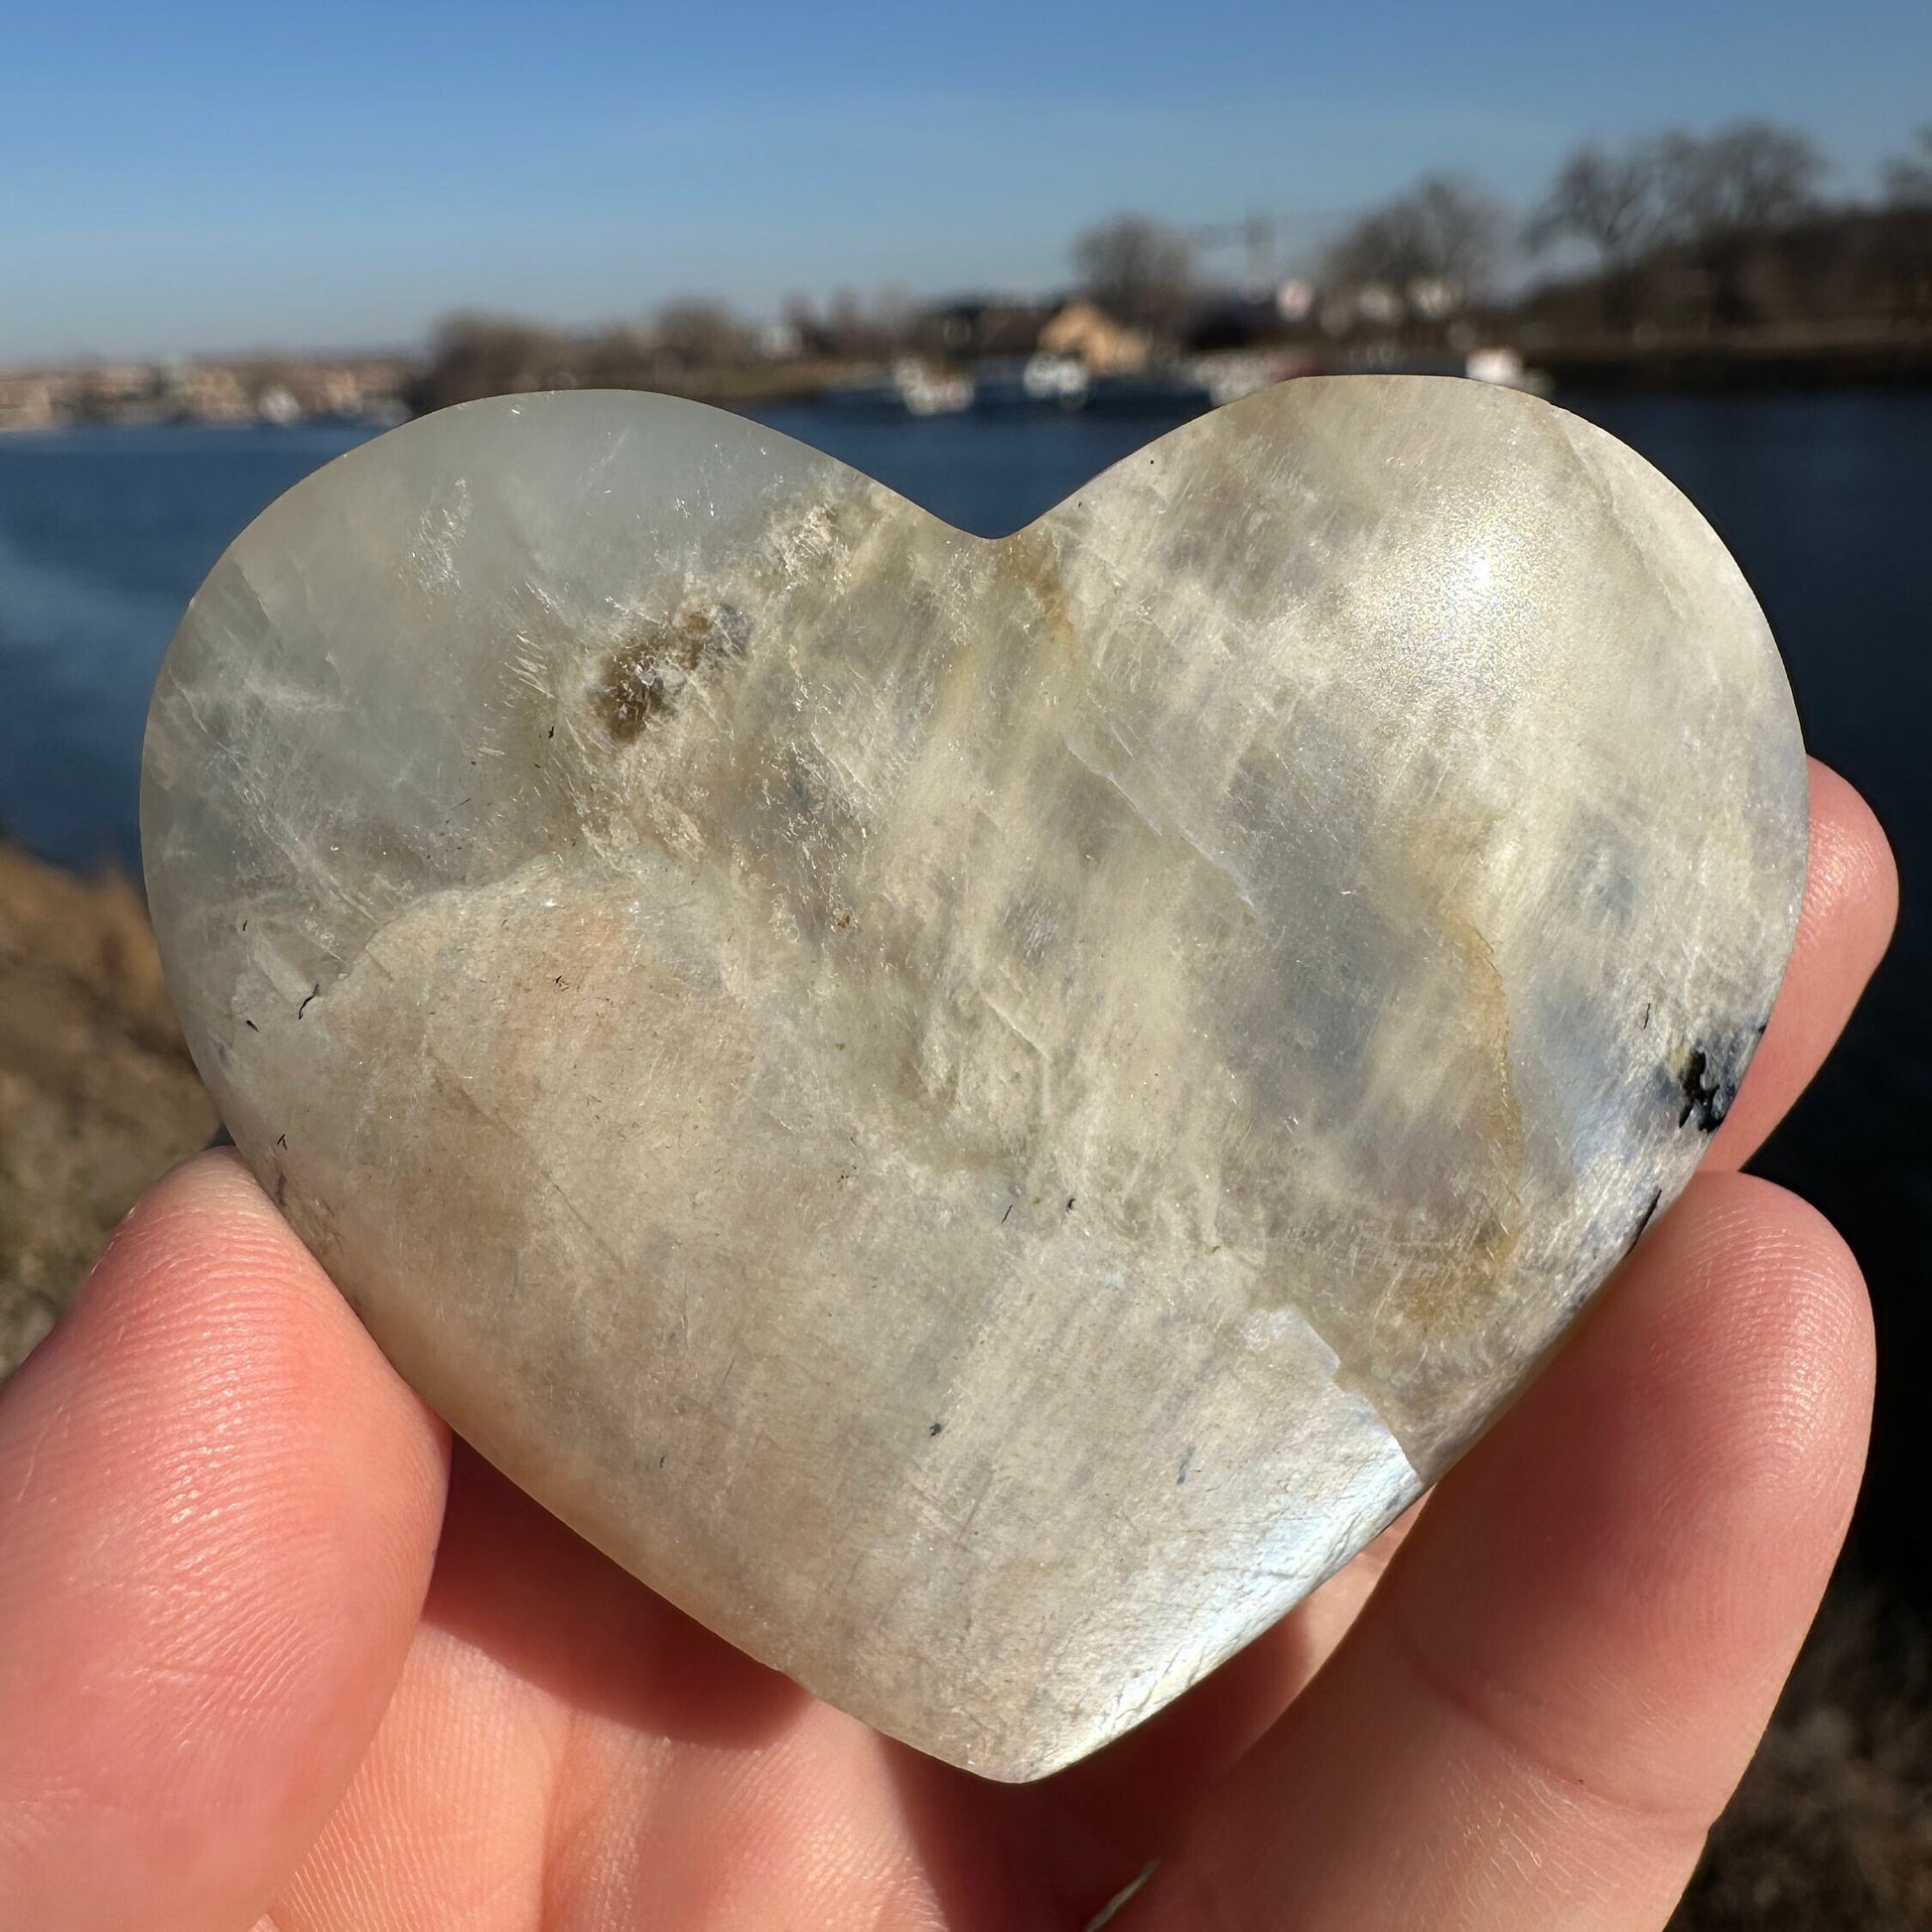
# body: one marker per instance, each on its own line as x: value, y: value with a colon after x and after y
x: 981, y: 257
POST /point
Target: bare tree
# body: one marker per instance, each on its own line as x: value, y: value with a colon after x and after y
x: 800, y: 315
x: 700, y: 334
x: 1909, y: 177
x: 1135, y: 267
x: 1682, y: 188
x: 1744, y: 179
x: 1445, y: 229
x: 1612, y: 201
x: 472, y: 355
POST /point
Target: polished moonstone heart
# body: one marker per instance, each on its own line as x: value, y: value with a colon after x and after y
x: 979, y: 1114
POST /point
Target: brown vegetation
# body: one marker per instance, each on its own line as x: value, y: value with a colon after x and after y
x: 697, y: 349
x: 1832, y: 296
x: 1831, y: 1830
x: 1724, y: 234
x: 97, y: 1095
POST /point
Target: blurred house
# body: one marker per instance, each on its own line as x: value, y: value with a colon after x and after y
x: 206, y: 392
x: 28, y: 401
x: 1084, y: 330
x: 101, y: 390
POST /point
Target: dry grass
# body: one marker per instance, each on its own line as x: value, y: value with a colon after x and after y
x: 1831, y: 1830
x: 97, y: 1095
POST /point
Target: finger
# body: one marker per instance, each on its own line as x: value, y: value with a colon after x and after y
x: 566, y: 1745
x: 217, y: 1504
x: 1850, y: 904
x: 1572, y: 1658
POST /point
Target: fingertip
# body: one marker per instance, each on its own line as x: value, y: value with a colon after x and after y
x: 216, y: 1181
x: 220, y: 1506
x: 1850, y: 886
x: 1743, y: 1338
x: 204, y: 1293
x: 1851, y: 905
x: 1853, y: 856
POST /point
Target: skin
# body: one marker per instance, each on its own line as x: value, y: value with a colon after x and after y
x: 271, y: 1656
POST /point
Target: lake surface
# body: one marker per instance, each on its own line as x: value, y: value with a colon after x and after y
x: 1826, y: 499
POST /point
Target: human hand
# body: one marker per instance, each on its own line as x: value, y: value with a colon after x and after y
x: 270, y: 1657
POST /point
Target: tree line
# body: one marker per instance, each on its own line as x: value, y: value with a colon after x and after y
x: 1674, y: 201
x: 1672, y: 231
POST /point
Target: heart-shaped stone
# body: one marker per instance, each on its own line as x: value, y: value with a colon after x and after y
x: 979, y: 1114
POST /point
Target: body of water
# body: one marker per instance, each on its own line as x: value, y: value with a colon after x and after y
x: 104, y: 536
x: 1826, y: 499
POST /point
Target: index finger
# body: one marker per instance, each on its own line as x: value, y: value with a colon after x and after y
x: 1850, y: 904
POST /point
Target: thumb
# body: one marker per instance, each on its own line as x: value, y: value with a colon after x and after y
x: 218, y: 1507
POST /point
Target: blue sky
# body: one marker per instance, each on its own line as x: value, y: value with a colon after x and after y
x: 213, y: 177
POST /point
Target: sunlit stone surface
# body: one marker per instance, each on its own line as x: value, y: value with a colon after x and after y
x: 979, y: 1114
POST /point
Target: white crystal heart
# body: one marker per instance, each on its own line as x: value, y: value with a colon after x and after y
x: 979, y: 1114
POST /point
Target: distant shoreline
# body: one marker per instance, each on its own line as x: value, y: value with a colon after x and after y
x: 1770, y: 360
x: 1686, y: 369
